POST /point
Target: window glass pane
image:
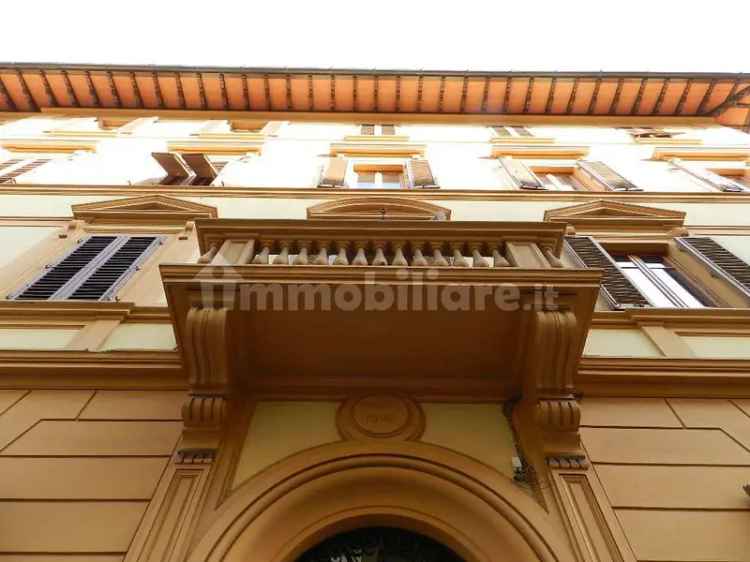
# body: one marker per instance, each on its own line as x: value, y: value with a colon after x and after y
x: 654, y: 262
x: 622, y: 260
x: 648, y: 288
x: 678, y: 289
x: 366, y: 179
x: 391, y: 180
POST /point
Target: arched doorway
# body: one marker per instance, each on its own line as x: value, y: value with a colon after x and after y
x: 379, y: 544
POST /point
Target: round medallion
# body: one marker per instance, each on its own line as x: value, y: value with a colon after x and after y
x: 380, y: 416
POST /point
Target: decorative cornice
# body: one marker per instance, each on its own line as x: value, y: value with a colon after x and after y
x: 377, y: 149
x: 80, y: 311
x: 373, y: 208
x: 739, y: 153
x: 616, y: 216
x: 519, y: 149
x: 148, y: 209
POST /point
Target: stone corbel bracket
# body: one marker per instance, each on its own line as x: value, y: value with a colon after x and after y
x: 206, y: 359
x: 548, y: 415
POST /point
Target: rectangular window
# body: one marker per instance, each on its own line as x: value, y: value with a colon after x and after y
x: 650, y: 133
x: 371, y: 129
x: 705, y: 177
x: 511, y: 131
x: 560, y: 181
x: 94, y: 270
x: 659, y: 281
x: 379, y: 177
x: 607, y: 178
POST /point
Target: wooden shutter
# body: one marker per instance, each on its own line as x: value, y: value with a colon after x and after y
x: 201, y: 165
x: 90, y: 271
x: 103, y: 283
x: 721, y: 260
x: 522, y: 177
x: 421, y: 174
x: 615, y: 286
x: 334, y: 173
x: 388, y: 129
x: 501, y: 131
x: 714, y: 180
x: 172, y: 164
x: 10, y: 177
x: 607, y: 177
x: 522, y: 132
x: 367, y: 129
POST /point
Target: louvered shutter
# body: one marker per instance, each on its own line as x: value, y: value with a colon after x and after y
x: 90, y: 271
x: 367, y: 129
x: 522, y: 177
x: 616, y: 287
x: 721, y: 260
x: 10, y: 177
x: 172, y: 164
x: 103, y: 283
x: 714, y: 180
x: 501, y: 131
x: 388, y: 129
x: 334, y: 173
x: 421, y: 174
x: 607, y: 177
x: 201, y: 165
x: 522, y: 132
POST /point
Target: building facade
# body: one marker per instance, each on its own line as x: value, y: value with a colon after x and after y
x: 334, y: 316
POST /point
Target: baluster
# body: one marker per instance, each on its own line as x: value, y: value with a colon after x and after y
x: 498, y: 260
x: 553, y: 260
x: 341, y: 258
x: 418, y: 258
x: 458, y: 258
x: 379, y: 258
x: 322, y: 257
x: 301, y: 257
x: 360, y: 258
x: 262, y: 256
x: 209, y: 255
x: 437, y: 254
x: 283, y: 257
x: 246, y: 253
x: 398, y: 254
x: 477, y: 259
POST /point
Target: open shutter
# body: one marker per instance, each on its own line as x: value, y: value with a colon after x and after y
x: 172, y: 164
x: 501, y: 131
x: 10, y: 177
x: 59, y: 277
x: 367, y: 129
x: 721, y: 260
x: 421, y: 174
x: 121, y: 264
x: 607, y: 177
x: 334, y: 173
x: 714, y: 180
x: 201, y: 165
x: 616, y: 287
x: 522, y: 177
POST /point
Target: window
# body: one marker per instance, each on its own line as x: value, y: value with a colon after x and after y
x: 94, y: 270
x: 511, y: 131
x: 12, y: 169
x: 659, y: 281
x: 561, y: 180
x: 638, y: 279
x: 189, y: 168
x: 369, y: 129
x: 723, y: 182
x: 379, y: 177
x: 594, y: 176
x: 650, y: 133
x: 605, y: 177
x: 380, y: 173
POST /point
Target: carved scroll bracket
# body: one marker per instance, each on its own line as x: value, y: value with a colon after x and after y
x: 548, y: 415
x: 206, y: 355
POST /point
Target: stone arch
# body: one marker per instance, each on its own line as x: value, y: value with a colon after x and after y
x: 374, y: 208
x: 315, y: 494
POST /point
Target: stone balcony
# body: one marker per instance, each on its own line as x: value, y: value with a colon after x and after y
x: 465, y: 310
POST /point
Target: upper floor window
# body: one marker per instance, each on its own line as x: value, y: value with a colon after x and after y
x: 378, y: 173
x: 379, y: 177
x: 94, y: 270
x: 560, y: 180
x: 189, y: 168
x: 371, y: 129
x: 585, y: 175
x: 650, y: 133
x: 511, y: 131
x: 735, y: 181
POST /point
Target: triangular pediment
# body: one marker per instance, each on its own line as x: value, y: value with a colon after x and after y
x: 614, y: 214
x: 375, y: 208
x: 152, y: 209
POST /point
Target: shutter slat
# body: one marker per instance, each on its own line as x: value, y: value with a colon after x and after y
x: 335, y: 172
x: 721, y: 259
x: 607, y: 177
x: 614, y: 282
x: 522, y: 177
x: 421, y: 174
x: 51, y: 282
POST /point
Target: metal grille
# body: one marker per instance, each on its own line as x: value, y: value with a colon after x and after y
x: 380, y: 544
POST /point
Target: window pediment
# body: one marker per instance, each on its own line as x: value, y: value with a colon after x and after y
x: 606, y: 215
x: 374, y: 208
x: 152, y: 209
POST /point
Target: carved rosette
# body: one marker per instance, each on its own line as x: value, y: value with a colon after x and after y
x: 205, y: 412
x: 380, y: 416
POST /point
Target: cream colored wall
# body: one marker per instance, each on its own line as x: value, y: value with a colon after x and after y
x: 619, y: 342
x: 16, y: 240
x: 480, y: 431
x: 37, y: 338
x: 738, y: 245
x: 133, y: 336
x: 719, y: 346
